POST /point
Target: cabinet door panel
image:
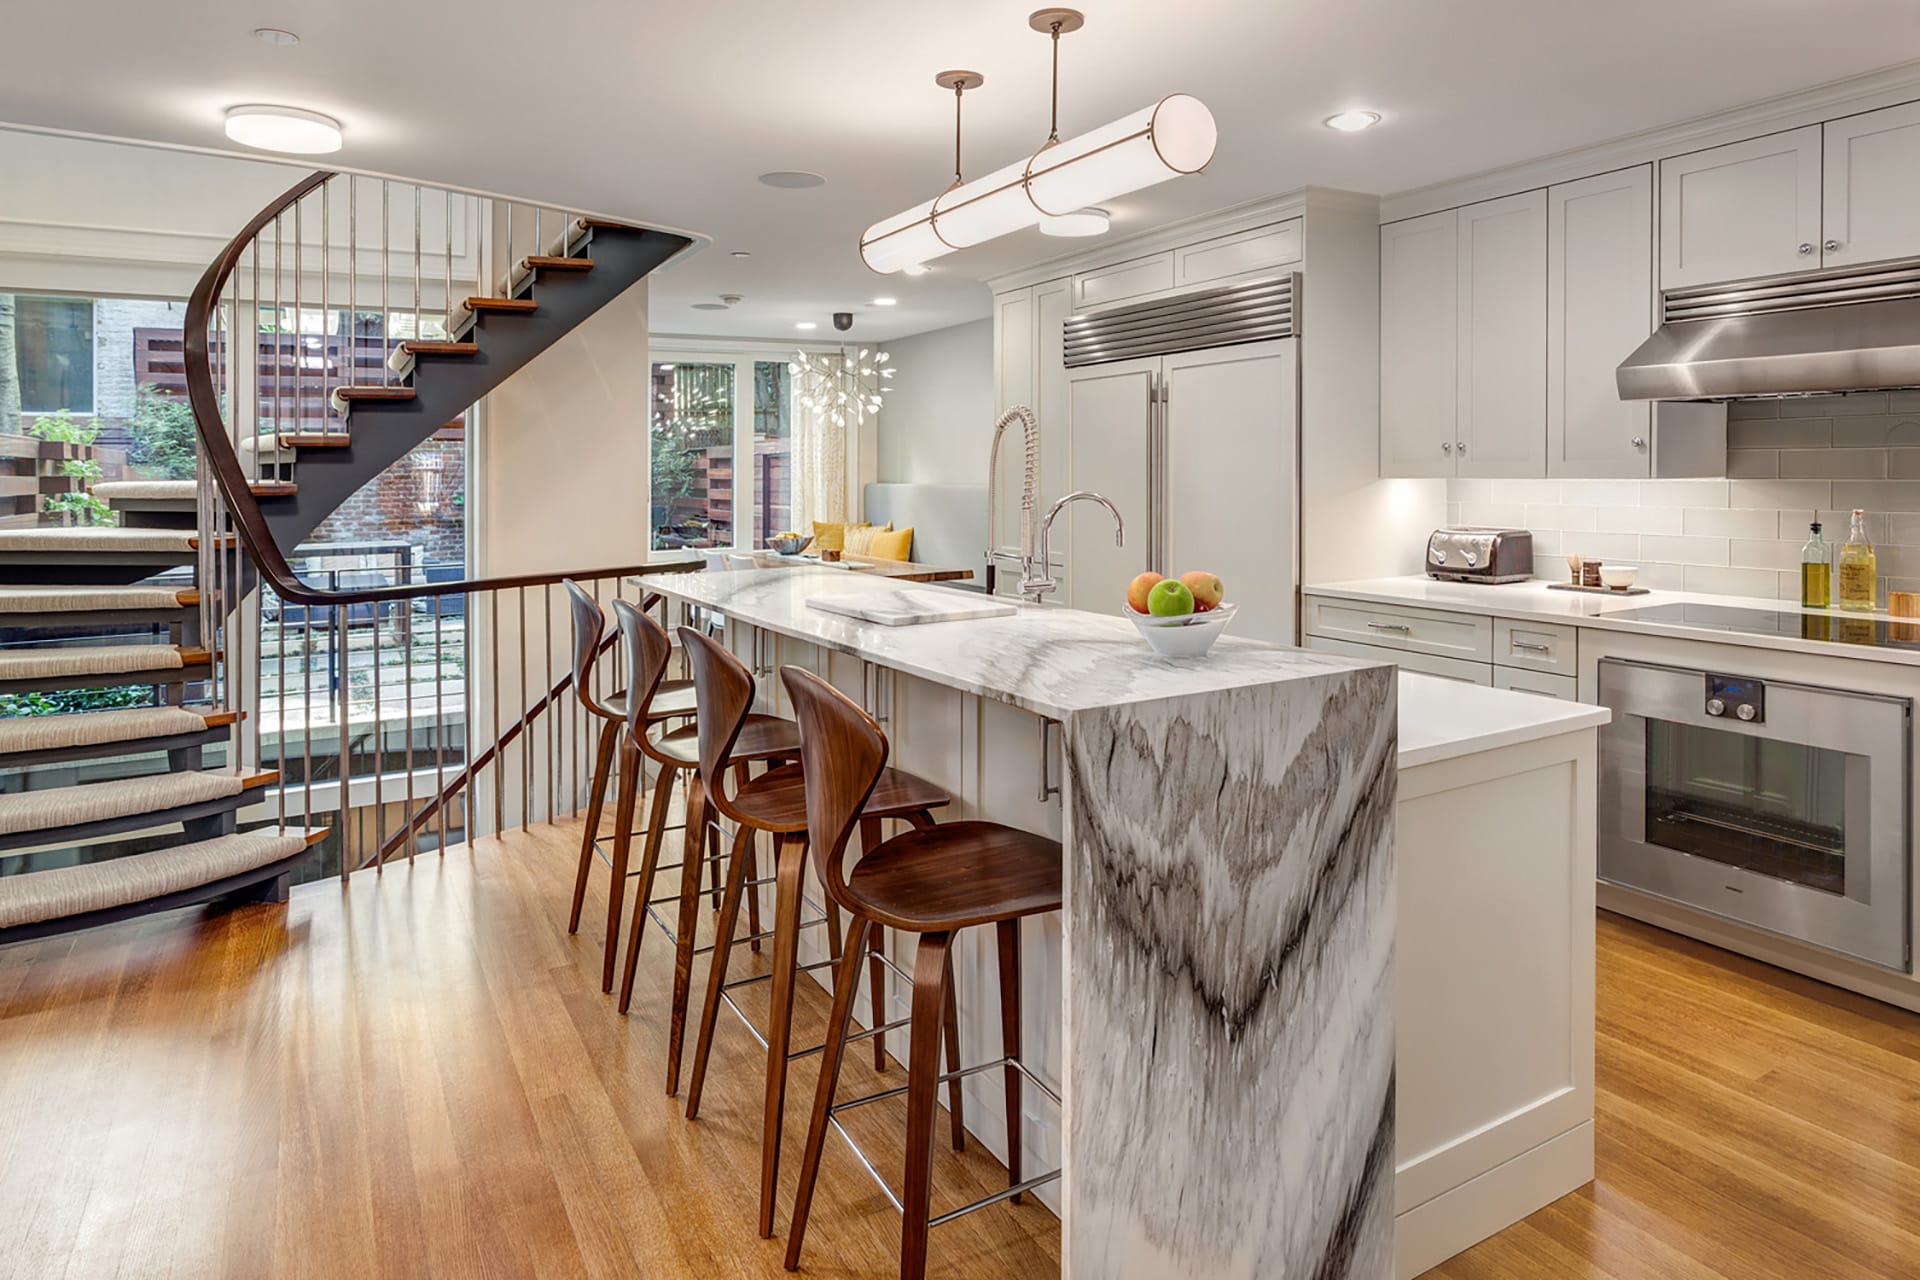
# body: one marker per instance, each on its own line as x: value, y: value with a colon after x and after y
x: 1872, y: 187
x: 1050, y: 311
x: 1123, y: 281
x: 1112, y: 411
x: 1502, y: 381
x: 1419, y: 345
x: 1014, y: 383
x: 1741, y: 210
x: 1599, y: 308
x: 1229, y: 456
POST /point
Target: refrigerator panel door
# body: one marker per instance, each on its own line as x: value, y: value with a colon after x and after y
x: 1112, y: 410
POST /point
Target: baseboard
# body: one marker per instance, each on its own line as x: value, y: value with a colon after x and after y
x: 1430, y: 1233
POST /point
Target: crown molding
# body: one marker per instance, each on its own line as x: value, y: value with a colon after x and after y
x: 1172, y: 235
x: 1887, y: 87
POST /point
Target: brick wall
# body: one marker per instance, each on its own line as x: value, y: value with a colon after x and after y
x: 412, y: 500
x: 114, y: 320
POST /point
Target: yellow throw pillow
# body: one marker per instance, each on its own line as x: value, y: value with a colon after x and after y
x: 831, y: 536
x: 897, y: 545
x: 859, y: 539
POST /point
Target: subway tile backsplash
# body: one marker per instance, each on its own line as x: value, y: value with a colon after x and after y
x: 1742, y: 535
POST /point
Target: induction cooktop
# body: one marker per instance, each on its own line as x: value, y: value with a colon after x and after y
x: 1830, y: 628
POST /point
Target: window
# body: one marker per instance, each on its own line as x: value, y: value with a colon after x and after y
x: 53, y: 353
x: 702, y: 427
x: 772, y: 450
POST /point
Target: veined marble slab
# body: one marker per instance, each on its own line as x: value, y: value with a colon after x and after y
x: 1229, y: 945
x: 900, y: 608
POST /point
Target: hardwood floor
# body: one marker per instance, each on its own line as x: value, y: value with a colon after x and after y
x: 418, y: 1076
x: 1751, y: 1125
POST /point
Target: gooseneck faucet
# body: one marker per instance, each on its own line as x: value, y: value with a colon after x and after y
x: 1029, y: 501
x: 1038, y: 588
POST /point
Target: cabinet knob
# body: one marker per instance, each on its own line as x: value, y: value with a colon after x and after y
x: 1806, y: 247
x: 1831, y: 246
x: 1445, y: 447
x: 1639, y: 442
x: 1461, y: 445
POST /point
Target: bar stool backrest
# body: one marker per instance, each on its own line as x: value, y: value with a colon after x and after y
x: 589, y: 625
x: 723, y: 695
x: 842, y: 752
x: 648, y: 651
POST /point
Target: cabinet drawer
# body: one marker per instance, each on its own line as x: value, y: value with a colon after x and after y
x: 1447, y: 635
x: 1123, y: 281
x: 1565, y: 688
x: 1259, y: 249
x: 1426, y: 664
x: 1536, y: 646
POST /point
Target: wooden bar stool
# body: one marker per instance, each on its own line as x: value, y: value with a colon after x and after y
x: 775, y: 802
x: 669, y: 699
x: 933, y: 881
x: 675, y: 753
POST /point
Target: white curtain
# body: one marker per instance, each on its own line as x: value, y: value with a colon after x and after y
x: 820, y: 442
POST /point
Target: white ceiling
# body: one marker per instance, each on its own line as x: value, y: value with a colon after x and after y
x: 667, y: 112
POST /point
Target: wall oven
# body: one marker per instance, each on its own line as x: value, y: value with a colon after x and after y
x: 1779, y: 805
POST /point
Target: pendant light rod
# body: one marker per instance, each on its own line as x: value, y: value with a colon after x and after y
x: 1054, y: 22
x: 959, y: 82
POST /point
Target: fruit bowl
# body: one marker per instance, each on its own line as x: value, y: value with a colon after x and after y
x: 1187, y: 636
x: 787, y: 546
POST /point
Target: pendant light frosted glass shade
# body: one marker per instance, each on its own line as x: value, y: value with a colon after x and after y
x: 904, y: 240
x: 1172, y: 137
x: 985, y: 208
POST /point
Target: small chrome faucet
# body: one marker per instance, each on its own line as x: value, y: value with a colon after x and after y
x: 1037, y: 589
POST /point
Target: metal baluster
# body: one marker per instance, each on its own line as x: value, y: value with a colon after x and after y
x: 299, y: 325
x: 326, y: 270
x: 379, y: 739
x: 345, y: 751
x: 466, y: 707
x: 386, y: 264
x: 252, y: 416
x: 526, y: 753
x: 439, y: 728
x: 353, y: 283
x: 413, y: 836
x: 306, y: 712
x: 552, y: 712
x: 277, y: 220
x: 493, y: 717
x: 509, y: 258
x: 446, y: 328
x: 416, y: 263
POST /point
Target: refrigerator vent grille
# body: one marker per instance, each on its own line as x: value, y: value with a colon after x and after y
x: 1222, y: 317
x: 1880, y: 282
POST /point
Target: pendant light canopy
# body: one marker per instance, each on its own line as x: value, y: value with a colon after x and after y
x: 1174, y: 136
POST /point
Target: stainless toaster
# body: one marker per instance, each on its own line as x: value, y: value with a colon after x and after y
x: 1480, y: 555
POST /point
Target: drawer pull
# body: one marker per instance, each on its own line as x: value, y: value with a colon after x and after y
x: 1531, y: 647
x: 1397, y: 628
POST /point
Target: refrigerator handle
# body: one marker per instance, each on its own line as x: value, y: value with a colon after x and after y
x: 1162, y: 486
x: 1153, y: 472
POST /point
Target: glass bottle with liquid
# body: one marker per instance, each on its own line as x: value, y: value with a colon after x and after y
x: 1816, y: 571
x: 1858, y: 568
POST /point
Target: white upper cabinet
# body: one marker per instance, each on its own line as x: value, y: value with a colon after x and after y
x: 1749, y: 209
x: 1501, y: 384
x: 1029, y: 367
x: 1872, y: 187
x: 1599, y: 308
x: 1419, y: 344
x: 1123, y: 282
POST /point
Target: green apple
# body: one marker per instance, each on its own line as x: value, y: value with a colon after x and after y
x: 1170, y: 599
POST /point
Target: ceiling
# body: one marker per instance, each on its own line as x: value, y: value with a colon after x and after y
x: 667, y: 112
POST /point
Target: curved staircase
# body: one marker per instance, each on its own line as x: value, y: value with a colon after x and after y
x: 116, y: 810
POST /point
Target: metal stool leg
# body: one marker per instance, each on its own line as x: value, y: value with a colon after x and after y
x: 1009, y: 938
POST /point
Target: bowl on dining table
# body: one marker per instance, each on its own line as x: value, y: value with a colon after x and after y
x: 790, y: 546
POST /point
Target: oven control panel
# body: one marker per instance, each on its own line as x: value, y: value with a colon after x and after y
x: 1737, y: 696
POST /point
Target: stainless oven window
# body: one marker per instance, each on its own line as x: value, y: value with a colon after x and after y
x: 1771, y: 807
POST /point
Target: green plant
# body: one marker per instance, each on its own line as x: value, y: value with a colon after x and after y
x: 64, y: 428
x: 63, y: 701
x: 161, y: 439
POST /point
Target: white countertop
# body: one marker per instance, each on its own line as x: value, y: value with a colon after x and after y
x: 1441, y: 719
x: 1047, y: 659
x: 1533, y: 600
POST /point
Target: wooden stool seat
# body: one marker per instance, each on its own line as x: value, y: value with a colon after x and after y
x: 761, y: 738
x: 776, y: 801
x: 956, y: 875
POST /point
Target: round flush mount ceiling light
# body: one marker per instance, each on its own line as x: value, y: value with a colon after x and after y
x: 1081, y: 222
x: 1352, y: 121
x: 792, y: 179
x: 741, y: 253
x: 708, y: 306
x: 288, y: 129
x: 274, y: 35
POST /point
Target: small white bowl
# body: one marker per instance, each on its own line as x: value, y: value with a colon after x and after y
x: 1187, y: 636
x: 1619, y: 576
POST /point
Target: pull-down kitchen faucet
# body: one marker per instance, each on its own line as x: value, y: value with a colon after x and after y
x: 1037, y: 588
x: 1029, y: 504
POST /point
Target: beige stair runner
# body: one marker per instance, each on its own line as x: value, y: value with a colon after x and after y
x: 88, y: 599
x: 51, y: 733
x: 89, y: 660
x: 99, y: 886
x: 120, y: 798
x: 81, y: 539
x: 147, y: 490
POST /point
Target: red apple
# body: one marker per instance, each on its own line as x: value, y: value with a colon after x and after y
x: 1138, y: 589
x: 1207, y: 589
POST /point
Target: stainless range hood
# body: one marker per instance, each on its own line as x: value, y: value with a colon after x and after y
x: 1856, y: 330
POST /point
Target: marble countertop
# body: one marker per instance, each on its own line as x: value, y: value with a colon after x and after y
x: 1441, y: 719
x: 1533, y: 600
x: 1047, y: 659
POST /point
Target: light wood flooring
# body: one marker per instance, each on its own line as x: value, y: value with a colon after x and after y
x: 417, y: 1076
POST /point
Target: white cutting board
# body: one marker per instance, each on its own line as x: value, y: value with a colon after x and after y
x: 905, y: 607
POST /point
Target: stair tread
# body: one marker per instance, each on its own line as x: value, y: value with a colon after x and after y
x: 297, y: 440
x: 35, y: 896
x: 79, y: 599
x: 97, y: 728
x: 81, y: 538
x: 550, y: 263
x: 107, y: 490
x: 501, y: 304
x: 97, y: 660
x: 434, y: 348
x: 28, y: 811
x: 375, y: 393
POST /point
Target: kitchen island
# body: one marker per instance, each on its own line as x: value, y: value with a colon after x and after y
x: 1216, y: 1003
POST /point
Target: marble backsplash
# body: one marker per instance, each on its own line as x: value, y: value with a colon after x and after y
x: 1742, y: 535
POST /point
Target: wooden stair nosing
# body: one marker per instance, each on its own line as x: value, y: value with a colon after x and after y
x: 514, y: 305
x: 375, y: 393
x: 436, y: 348
x: 547, y: 262
x: 81, y: 832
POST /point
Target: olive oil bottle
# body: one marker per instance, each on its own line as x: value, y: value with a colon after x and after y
x: 1816, y: 570
x: 1858, y: 568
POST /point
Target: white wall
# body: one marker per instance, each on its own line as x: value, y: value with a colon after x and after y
x: 937, y: 424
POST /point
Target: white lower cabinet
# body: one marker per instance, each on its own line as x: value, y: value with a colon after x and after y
x: 1504, y: 653
x: 1565, y: 688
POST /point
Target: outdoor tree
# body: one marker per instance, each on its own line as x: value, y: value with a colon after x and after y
x: 9, y: 371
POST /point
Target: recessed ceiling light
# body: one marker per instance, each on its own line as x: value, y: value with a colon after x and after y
x: 1081, y: 222
x: 806, y: 324
x: 288, y: 129
x: 917, y: 269
x: 793, y: 179
x: 274, y: 35
x: 709, y: 306
x: 885, y: 302
x: 1352, y: 121
x: 741, y: 253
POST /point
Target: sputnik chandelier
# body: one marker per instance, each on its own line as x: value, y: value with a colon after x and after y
x: 841, y: 387
x: 1174, y: 136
